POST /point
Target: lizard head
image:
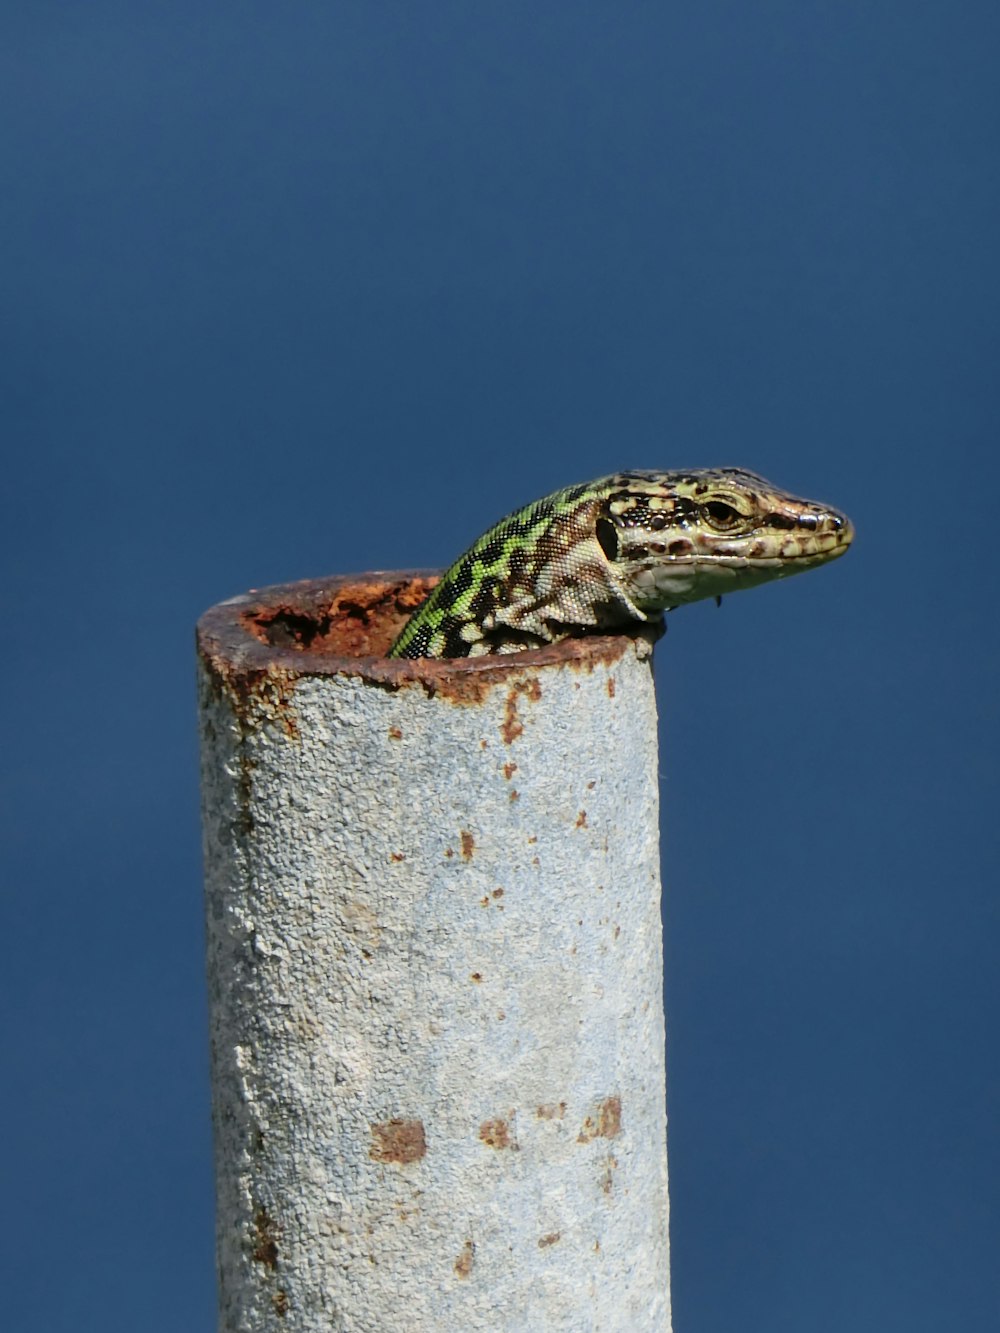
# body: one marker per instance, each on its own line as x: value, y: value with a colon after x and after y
x: 677, y: 537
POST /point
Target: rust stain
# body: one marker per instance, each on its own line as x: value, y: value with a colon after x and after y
x: 497, y: 1133
x: 549, y: 1239
x: 280, y: 1302
x: 256, y: 646
x: 463, y: 1264
x: 607, y: 1177
x: 515, y: 795
x: 606, y: 1123
x: 397, y: 856
x: 611, y: 687
x: 476, y: 976
x: 265, y: 1238
x: 449, y: 852
x: 498, y: 893
x: 609, y: 1117
x: 395, y: 734
x: 551, y: 1110
x: 259, y: 695
x: 509, y: 769
x: 581, y: 819
x: 398, y: 1140
x: 356, y: 618
x: 512, y: 726
x: 468, y: 845
x: 591, y: 785
x: 274, y: 699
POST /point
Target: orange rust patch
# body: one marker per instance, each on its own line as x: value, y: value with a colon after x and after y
x: 468, y: 845
x: 395, y: 734
x: 345, y: 625
x: 265, y: 1238
x: 476, y: 976
x: 591, y: 785
x: 606, y: 1123
x: 533, y: 838
x: 397, y: 1140
x: 581, y: 819
x: 549, y: 1239
x: 497, y: 1133
x: 611, y: 687
x: 358, y: 618
x: 509, y: 770
x: 512, y: 726
x: 551, y: 1110
x: 498, y: 893
x: 463, y: 1264
x: 449, y: 853
x: 515, y: 795
x: 397, y: 856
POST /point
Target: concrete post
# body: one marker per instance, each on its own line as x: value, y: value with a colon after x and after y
x: 435, y: 975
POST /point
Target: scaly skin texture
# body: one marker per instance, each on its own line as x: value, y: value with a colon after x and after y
x: 601, y: 556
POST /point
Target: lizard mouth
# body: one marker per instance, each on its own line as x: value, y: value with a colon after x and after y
x: 695, y: 570
x: 823, y: 541
x: 767, y: 559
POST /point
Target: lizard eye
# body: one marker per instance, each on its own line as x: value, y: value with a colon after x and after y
x: 721, y: 515
x: 607, y: 536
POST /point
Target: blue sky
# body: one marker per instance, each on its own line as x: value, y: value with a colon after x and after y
x: 292, y: 290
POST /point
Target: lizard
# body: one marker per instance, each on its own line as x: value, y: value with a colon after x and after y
x: 605, y: 554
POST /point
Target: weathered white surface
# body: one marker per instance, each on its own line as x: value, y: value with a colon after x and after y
x: 435, y: 980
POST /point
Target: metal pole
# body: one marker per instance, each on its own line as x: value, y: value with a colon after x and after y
x: 435, y: 975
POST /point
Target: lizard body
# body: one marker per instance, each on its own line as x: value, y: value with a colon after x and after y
x: 599, y: 556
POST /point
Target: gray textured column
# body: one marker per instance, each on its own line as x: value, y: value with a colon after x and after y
x: 435, y: 975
